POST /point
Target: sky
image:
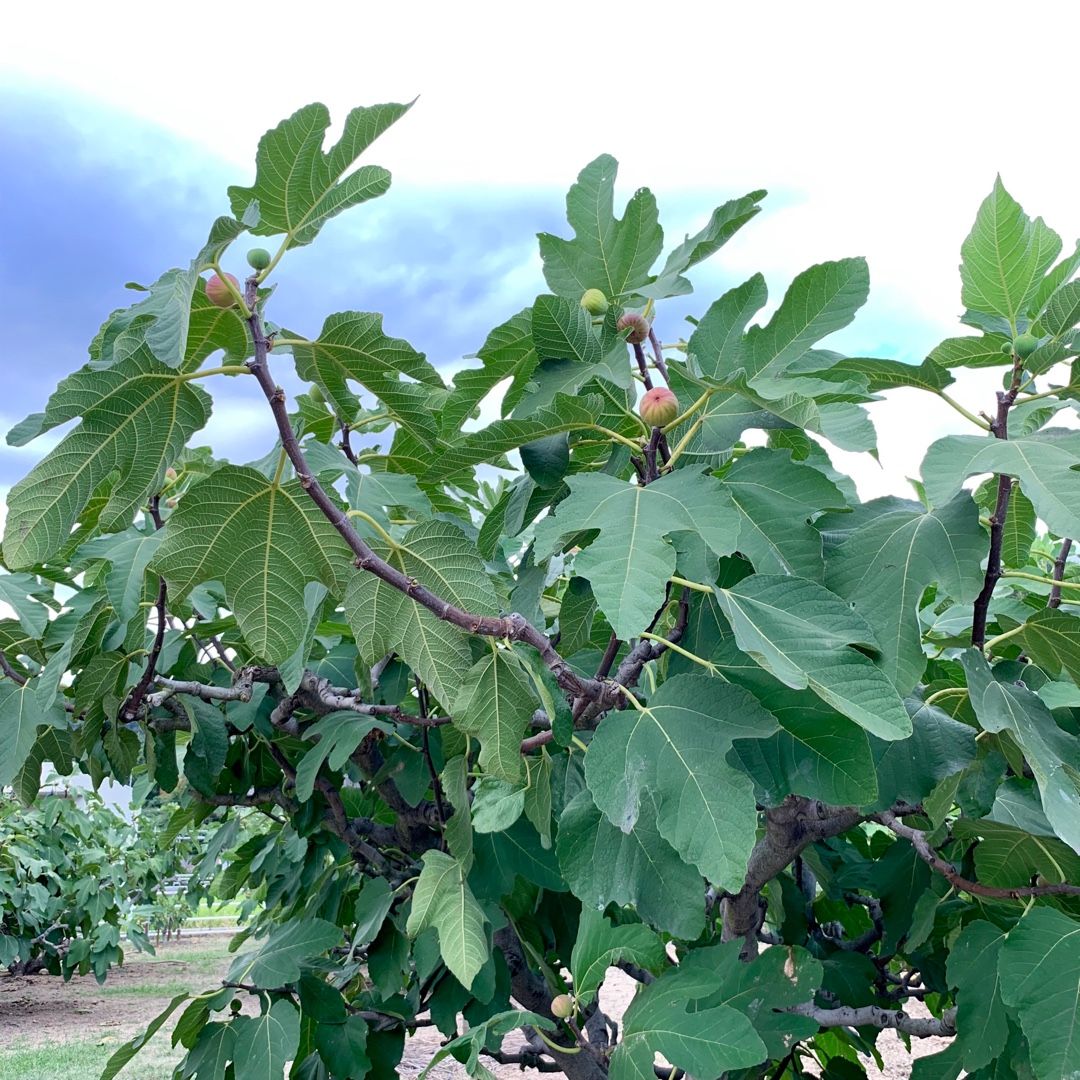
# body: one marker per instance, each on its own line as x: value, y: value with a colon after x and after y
x: 877, y: 130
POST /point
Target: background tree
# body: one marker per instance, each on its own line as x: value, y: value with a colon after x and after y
x: 655, y: 700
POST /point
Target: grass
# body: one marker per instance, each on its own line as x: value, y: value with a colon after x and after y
x: 80, y: 1051
x: 85, y: 1058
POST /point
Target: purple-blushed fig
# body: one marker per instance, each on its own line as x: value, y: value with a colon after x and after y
x: 637, y: 324
x: 218, y: 293
x: 659, y: 407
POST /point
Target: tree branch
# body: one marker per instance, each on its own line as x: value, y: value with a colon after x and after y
x: 920, y: 842
x: 875, y: 1016
x: 514, y: 627
x: 1059, y: 573
x: 999, y: 428
x: 10, y: 672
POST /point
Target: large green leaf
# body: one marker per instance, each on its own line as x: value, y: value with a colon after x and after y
x: 136, y: 418
x: 1005, y: 257
x: 336, y: 738
x: 1052, y: 639
x: 248, y: 532
x: 820, y: 301
x: 442, y: 899
x: 277, y: 961
x: 675, y: 748
x: 706, y: 1040
x: 353, y: 347
x: 803, y: 634
x: 385, y: 620
x: 494, y: 703
x: 884, y: 566
x: 265, y: 1044
x: 25, y: 595
x: 629, y: 563
x: 722, y: 225
x: 565, y: 413
x: 982, y: 1027
x: 599, y: 945
x: 21, y: 714
x: 604, y: 865
x: 1019, y: 532
x: 718, y: 343
x: 776, y: 498
x: 1045, y: 464
x: 606, y: 253
x: 1040, y: 978
x: 126, y: 1052
x: 1053, y: 754
x: 298, y: 187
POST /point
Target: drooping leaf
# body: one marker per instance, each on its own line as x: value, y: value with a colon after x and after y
x: 136, y: 418
x: 21, y: 715
x: 1019, y: 532
x: 338, y: 735
x: 604, y: 865
x: 277, y: 961
x: 981, y: 1022
x: 488, y: 1034
x: 494, y: 703
x: 298, y: 186
x: 630, y: 562
x: 24, y: 594
x: 674, y: 748
x: 385, y: 620
x: 246, y: 531
x: 1054, y: 755
x: 599, y: 945
x: 884, y: 566
x: 1052, y: 639
x: 1039, y: 967
x: 126, y: 1052
x: 442, y: 899
x: 776, y: 498
x: 802, y: 634
x: 1043, y: 463
x: 352, y: 347
x: 264, y: 1044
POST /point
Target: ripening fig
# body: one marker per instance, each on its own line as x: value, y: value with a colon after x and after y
x: 1025, y: 344
x: 659, y: 406
x: 170, y: 474
x: 637, y: 324
x: 218, y: 293
x: 258, y: 258
x: 171, y: 503
x: 594, y: 302
x: 562, y: 1006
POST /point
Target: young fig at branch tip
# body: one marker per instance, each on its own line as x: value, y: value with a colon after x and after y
x: 562, y: 1006
x: 594, y: 301
x: 1025, y: 344
x: 637, y: 324
x: 219, y: 294
x: 258, y: 258
x: 659, y: 407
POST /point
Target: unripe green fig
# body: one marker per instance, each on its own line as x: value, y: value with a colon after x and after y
x: 171, y: 503
x: 258, y: 258
x: 594, y: 302
x: 562, y: 1006
x: 659, y: 407
x: 315, y: 393
x: 637, y: 324
x: 217, y: 292
x: 1006, y: 348
x: 1025, y: 344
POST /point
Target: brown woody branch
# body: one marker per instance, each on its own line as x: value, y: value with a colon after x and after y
x: 1059, y: 573
x: 514, y: 627
x: 921, y: 843
x: 7, y: 668
x: 999, y: 428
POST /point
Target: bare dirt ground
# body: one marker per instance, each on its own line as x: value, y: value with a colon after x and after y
x: 42, y: 1010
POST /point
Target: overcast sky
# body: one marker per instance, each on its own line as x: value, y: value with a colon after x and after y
x: 877, y: 130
